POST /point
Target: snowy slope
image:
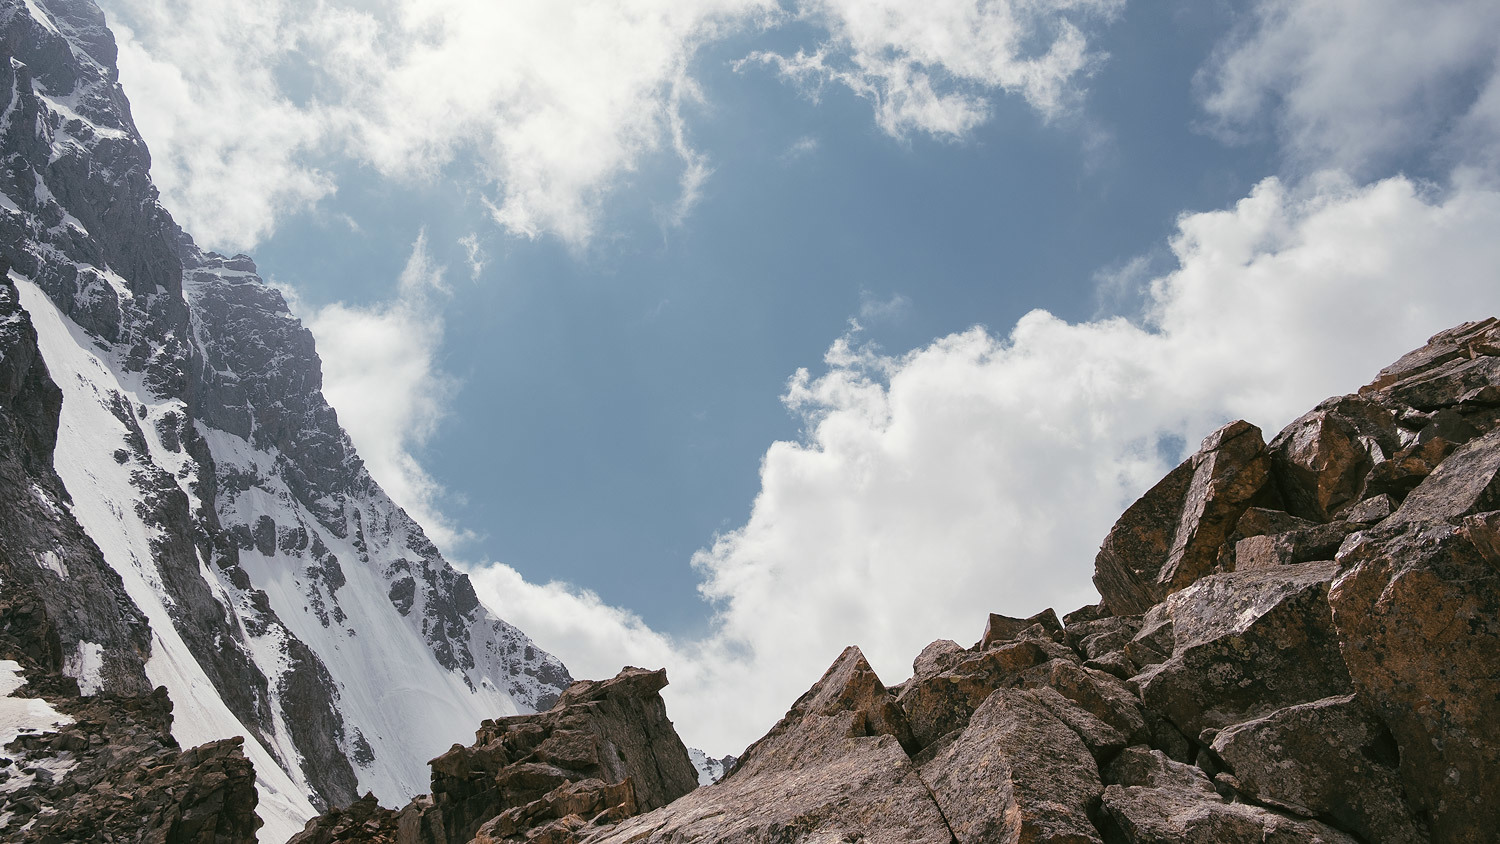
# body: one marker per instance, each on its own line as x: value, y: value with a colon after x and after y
x: 288, y: 599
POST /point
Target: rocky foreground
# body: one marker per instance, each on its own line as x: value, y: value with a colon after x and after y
x: 1298, y: 642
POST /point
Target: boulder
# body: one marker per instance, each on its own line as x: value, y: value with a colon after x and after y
x: 606, y: 748
x: 939, y: 703
x: 1246, y: 643
x: 1100, y: 694
x: 1329, y: 759
x: 1467, y: 482
x: 1320, y: 460
x: 1372, y: 510
x: 1417, y: 612
x: 1096, y: 638
x: 1303, y: 545
x: 1461, y: 341
x: 1171, y: 536
x: 1016, y: 774
x: 833, y: 769
x: 1002, y: 628
x: 1140, y: 815
x: 1143, y: 766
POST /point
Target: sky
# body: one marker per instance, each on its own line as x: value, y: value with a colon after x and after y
x: 720, y: 335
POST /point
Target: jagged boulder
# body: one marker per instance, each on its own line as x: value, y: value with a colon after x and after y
x: 606, y: 750
x: 1417, y: 610
x: 833, y: 769
x: 1320, y: 461
x: 1172, y: 535
x: 116, y: 774
x: 1330, y: 759
x: 1246, y: 643
x: 1017, y: 773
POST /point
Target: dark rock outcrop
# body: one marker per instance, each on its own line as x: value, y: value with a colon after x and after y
x: 116, y: 774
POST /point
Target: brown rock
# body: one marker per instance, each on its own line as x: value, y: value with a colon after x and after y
x: 531, y: 770
x: 938, y: 657
x: 1171, y: 536
x: 1096, y: 692
x: 364, y: 821
x: 1320, y: 460
x: 1189, y: 816
x: 1467, y: 482
x: 1143, y: 766
x: 1002, y: 628
x: 1017, y: 774
x: 833, y: 769
x: 1372, y: 510
x: 1246, y: 643
x: 939, y: 703
x: 1441, y: 348
x: 1451, y: 384
x: 1099, y: 637
x: 1304, y: 545
x: 1102, y: 740
x: 1329, y: 759
x: 1417, y: 609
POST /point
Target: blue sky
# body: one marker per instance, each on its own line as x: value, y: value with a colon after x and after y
x: 1213, y: 206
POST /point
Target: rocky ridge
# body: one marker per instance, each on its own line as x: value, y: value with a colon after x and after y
x: 1298, y: 642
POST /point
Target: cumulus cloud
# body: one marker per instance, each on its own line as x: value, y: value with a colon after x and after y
x: 243, y: 100
x: 931, y: 65
x: 980, y: 472
x: 248, y: 105
x: 1357, y: 83
x: 381, y: 373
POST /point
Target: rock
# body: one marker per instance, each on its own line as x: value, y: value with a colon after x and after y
x: 1090, y: 612
x: 1100, y: 694
x: 1143, y: 766
x: 939, y: 703
x: 1095, y: 638
x: 1451, y: 384
x: 364, y: 821
x: 1017, y: 773
x: 1467, y: 482
x: 1000, y: 628
x: 937, y: 657
x: 833, y: 769
x: 1417, y: 611
x: 1461, y: 341
x: 1171, y: 536
x: 1102, y: 740
x: 1115, y: 664
x: 606, y: 747
x: 1329, y: 759
x: 1247, y: 643
x: 1320, y: 460
x: 1304, y: 545
x: 1188, y: 816
x: 1372, y: 510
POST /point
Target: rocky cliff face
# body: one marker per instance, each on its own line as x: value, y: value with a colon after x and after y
x: 1298, y: 642
x: 178, y: 504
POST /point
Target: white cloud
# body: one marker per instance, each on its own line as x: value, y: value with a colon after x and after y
x: 242, y: 100
x: 931, y: 65
x: 1357, y: 83
x: 380, y: 372
x: 872, y: 308
x: 474, y: 252
x: 980, y: 473
x: 249, y: 105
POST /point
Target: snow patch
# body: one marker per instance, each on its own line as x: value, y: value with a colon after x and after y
x: 53, y: 563
x: 22, y: 714
x: 86, y: 665
x: 42, y: 17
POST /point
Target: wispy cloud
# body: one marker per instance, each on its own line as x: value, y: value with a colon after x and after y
x: 1356, y: 84
x: 873, y: 308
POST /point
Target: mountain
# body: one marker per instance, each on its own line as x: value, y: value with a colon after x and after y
x: 180, y: 505
x: 1298, y: 643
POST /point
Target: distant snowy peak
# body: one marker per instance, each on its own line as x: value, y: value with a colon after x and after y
x: 710, y: 770
x: 260, y: 573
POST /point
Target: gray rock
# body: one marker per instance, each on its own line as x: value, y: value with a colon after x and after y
x: 1188, y: 816
x: 1328, y: 759
x: 833, y: 769
x: 1171, y: 536
x: 1247, y: 643
x: 1417, y: 612
x: 1467, y: 482
x: 1016, y: 774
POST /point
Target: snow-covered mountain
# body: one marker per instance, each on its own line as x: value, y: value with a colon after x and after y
x: 193, y: 516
